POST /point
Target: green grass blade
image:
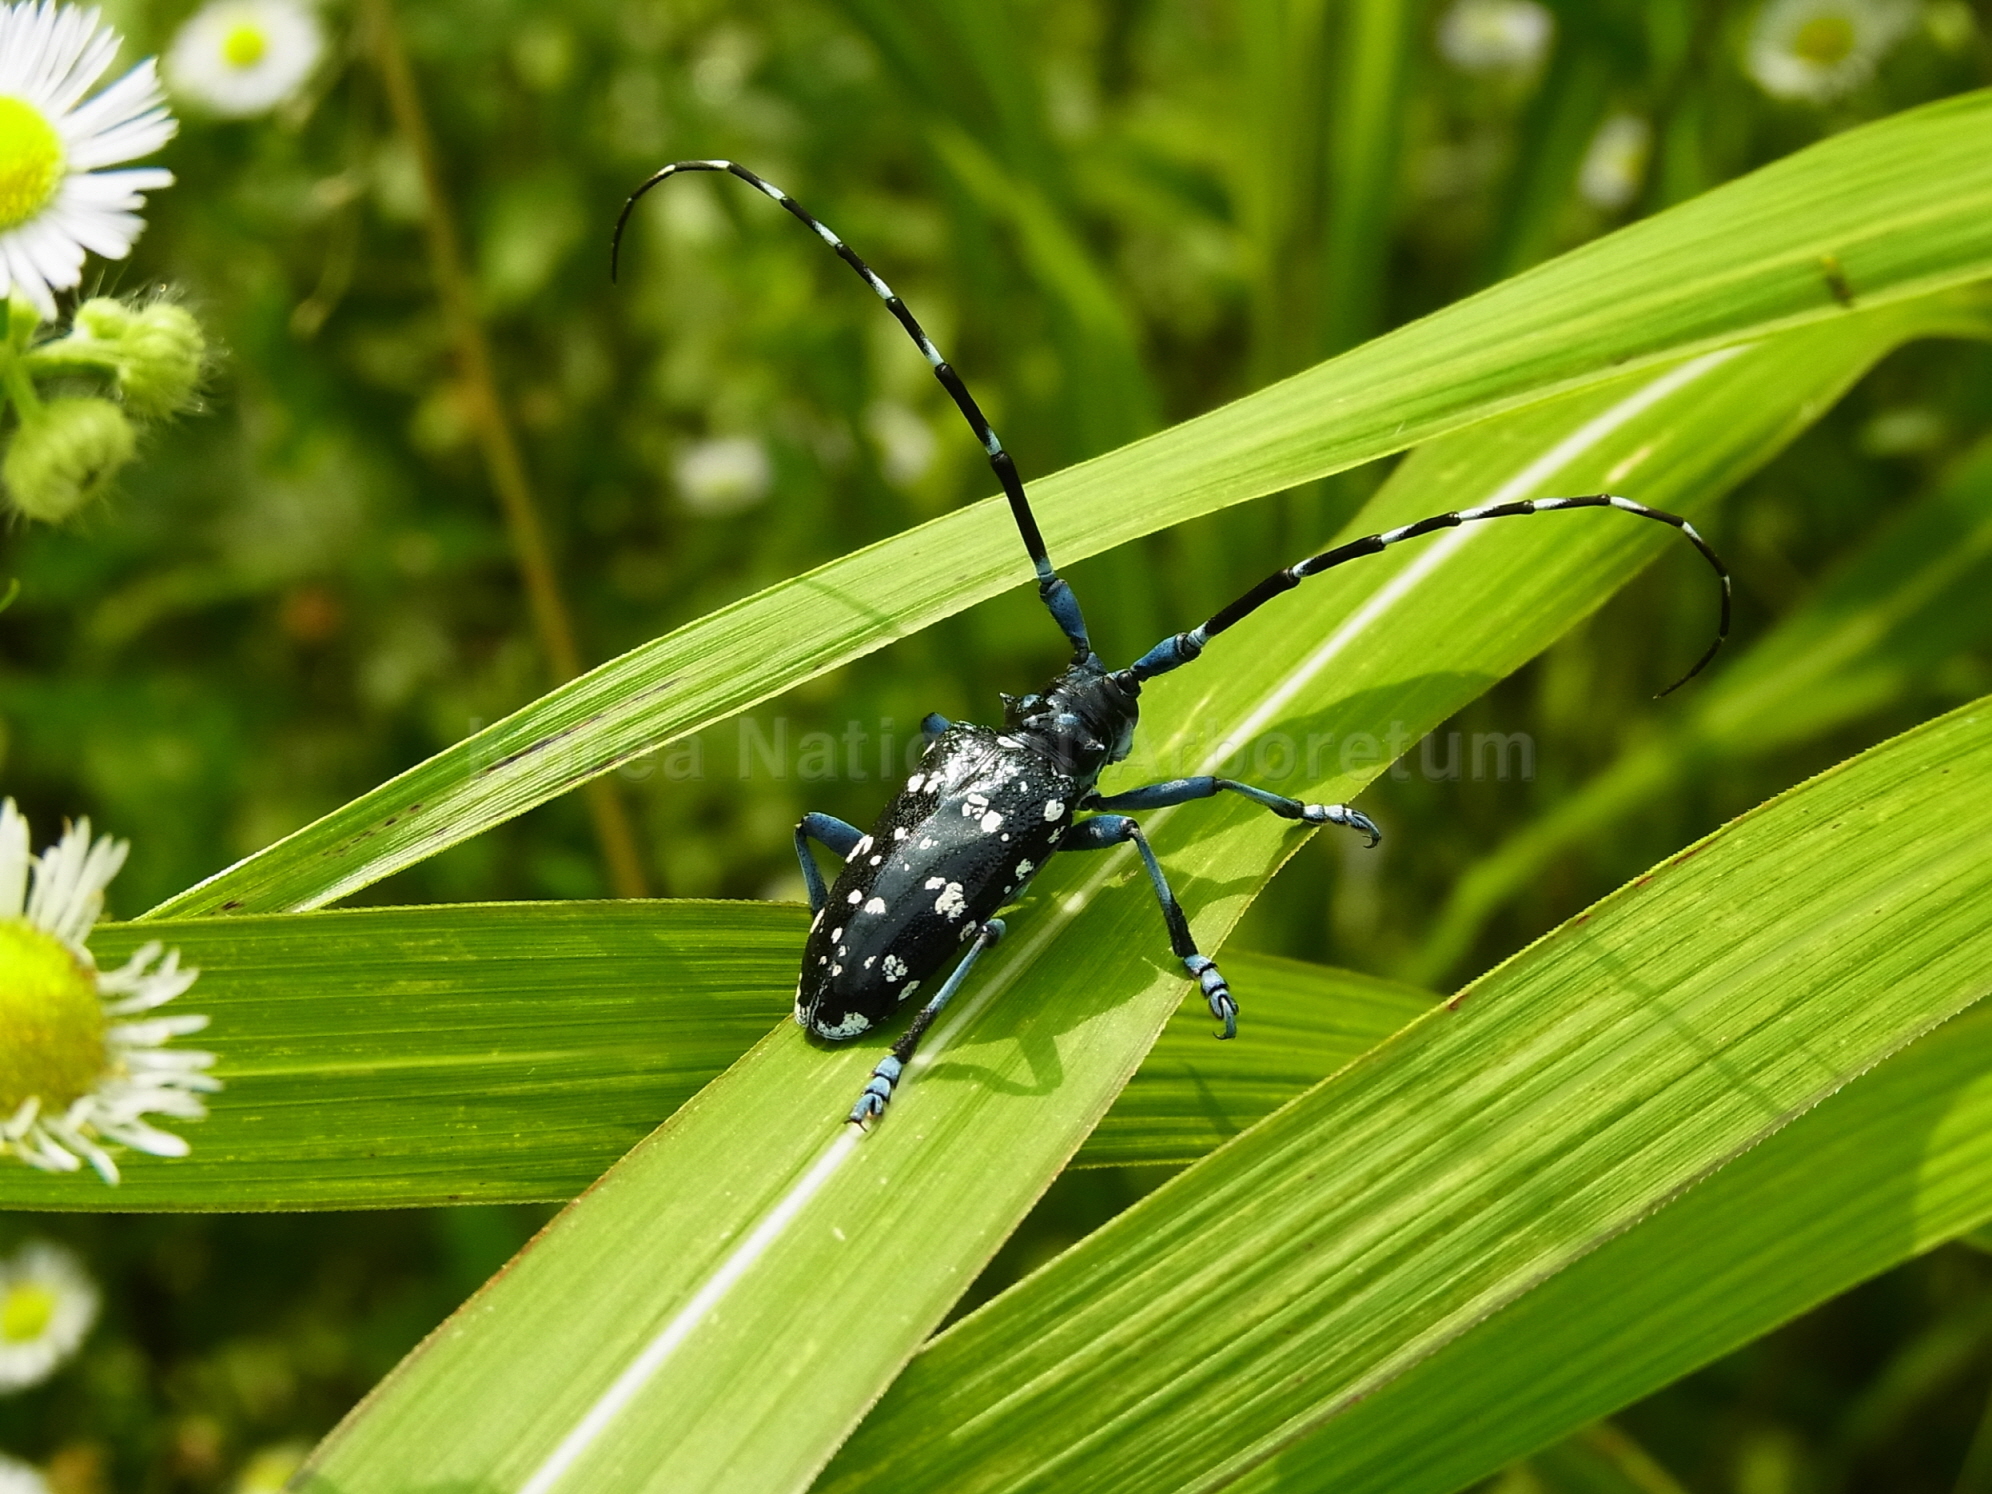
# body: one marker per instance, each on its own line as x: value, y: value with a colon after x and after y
x: 1378, y: 40
x: 511, y: 1052
x: 1893, y: 1165
x: 1870, y: 634
x: 1545, y: 1109
x: 651, y: 1338
x: 1904, y: 204
x: 1193, y: 1094
x: 389, y: 1057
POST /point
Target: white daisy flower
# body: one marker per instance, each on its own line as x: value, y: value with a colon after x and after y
x: 1615, y: 162
x: 75, y: 1076
x: 1821, y: 49
x: 18, y: 1478
x: 1496, y: 36
x: 724, y: 476
x: 906, y: 444
x: 242, y: 57
x: 55, y: 202
x: 47, y: 1305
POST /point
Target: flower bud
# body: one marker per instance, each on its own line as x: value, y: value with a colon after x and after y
x: 159, y: 350
x: 64, y: 454
x: 102, y: 318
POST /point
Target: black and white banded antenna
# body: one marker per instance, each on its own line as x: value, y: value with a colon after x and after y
x: 1052, y: 588
x: 1174, y: 652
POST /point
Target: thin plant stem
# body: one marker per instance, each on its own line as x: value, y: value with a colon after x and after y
x: 502, y: 460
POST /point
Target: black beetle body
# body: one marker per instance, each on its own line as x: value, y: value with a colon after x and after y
x: 980, y: 817
x: 987, y: 809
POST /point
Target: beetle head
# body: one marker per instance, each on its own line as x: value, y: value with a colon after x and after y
x: 1084, y: 719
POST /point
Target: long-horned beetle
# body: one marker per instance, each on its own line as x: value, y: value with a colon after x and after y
x: 987, y: 808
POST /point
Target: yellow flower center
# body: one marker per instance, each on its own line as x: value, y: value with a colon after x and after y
x: 244, y: 45
x: 25, y: 1313
x: 1824, y: 41
x: 31, y: 161
x: 52, y: 1026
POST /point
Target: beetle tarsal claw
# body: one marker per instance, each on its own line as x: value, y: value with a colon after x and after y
x: 877, y: 1092
x: 1341, y: 814
x: 1217, y: 992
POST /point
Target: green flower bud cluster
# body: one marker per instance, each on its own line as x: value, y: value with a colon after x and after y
x: 67, y: 446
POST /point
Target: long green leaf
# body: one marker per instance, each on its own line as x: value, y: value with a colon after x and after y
x: 1871, y: 633
x: 1545, y: 1109
x: 1905, y: 205
x: 1893, y: 1165
x: 511, y: 1052
x: 652, y: 1338
x: 389, y: 1057
x: 1192, y: 1094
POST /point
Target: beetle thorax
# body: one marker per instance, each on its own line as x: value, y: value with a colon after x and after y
x: 1083, y: 720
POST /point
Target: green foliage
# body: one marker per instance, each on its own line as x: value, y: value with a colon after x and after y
x: 693, y: 1387
x: 1539, y: 1113
x: 272, y: 656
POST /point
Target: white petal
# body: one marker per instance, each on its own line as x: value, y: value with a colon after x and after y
x: 158, y: 1030
x: 148, y: 1139
x: 38, y: 1150
x: 69, y: 881
x: 71, y: 1136
x: 14, y: 860
x: 21, y: 277
x: 22, y: 1119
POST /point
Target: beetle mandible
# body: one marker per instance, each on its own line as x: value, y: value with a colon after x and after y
x: 987, y: 808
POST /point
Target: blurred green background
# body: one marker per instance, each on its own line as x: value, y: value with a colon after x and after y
x: 1112, y: 214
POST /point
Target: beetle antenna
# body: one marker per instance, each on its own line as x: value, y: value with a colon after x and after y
x: 1056, y: 594
x: 1173, y: 653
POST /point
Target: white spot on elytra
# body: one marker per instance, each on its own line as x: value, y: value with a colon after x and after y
x: 816, y: 922
x: 926, y: 842
x: 991, y: 822
x: 974, y: 805
x: 876, y: 859
x: 1053, y: 808
x: 836, y: 933
x: 836, y: 970
x: 894, y: 968
x: 899, y: 832
x: 911, y: 987
x: 859, y: 849
x: 870, y: 960
x: 851, y: 1026
x: 855, y: 898
x: 876, y: 905
x: 951, y: 904
x: 933, y: 882
x: 1025, y: 868
x: 917, y: 782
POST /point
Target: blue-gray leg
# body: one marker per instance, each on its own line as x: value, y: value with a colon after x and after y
x: 878, y: 1089
x: 1107, y: 830
x: 825, y: 830
x: 1182, y: 790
